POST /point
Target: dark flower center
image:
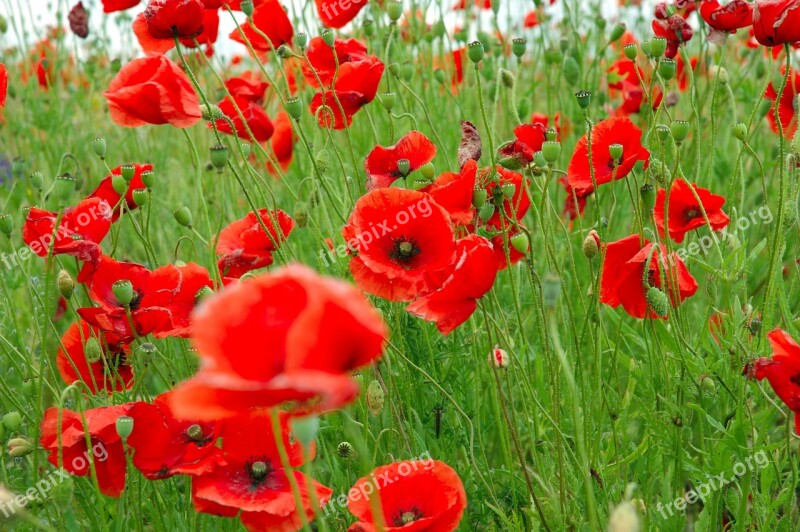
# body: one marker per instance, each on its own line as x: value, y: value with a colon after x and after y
x: 402, y: 518
x: 690, y: 214
x: 404, y: 249
x: 136, y: 301
x: 796, y: 379
x: 258, y: 470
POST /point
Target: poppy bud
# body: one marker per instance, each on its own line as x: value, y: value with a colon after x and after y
x: 631, y: 51
x: 369, y: 27
x: 518, y: 46
x: 140, y: 196
x: 790, y: 216
x: 475, y: 51
x: 65, y: 284
x: 719, y: 73
x: 301, y: 40
x: 123, y: 291
x: 124, y: 427
x: 479, y: 197
x: 395, y: 10
x: 375, y: 398
x: 740, y: 131
x: 12, y: 421
x: 211, y: 112
x: 679, y: 129
x: 6, y: 224
x: 183, y: 216
x: 440, y: 75
x: 667, y: 69
x: 323, y: 162
x: 624, y: 518
x: 572, y: 71
x: 3, y: 24
x: 648, y: 195
x: 647, y: 48
x: 18, y: 447
x: 486, y: 211
x: 507, y: 78
x: 65, y: 186
x: 284, y: 52
x: 345, y: 450
x: 247, y: 7
x: 615, y: 151
x: 294, y: 108
x: 658, y: 46
x: 617, y: 32
x: 584, y: 99
x: 520, y: 242
x: 219, y: 156
x: 99, y: 147
x: 92, y: 350
x: 708, y: 383
x: 657, y: 300
x: 203, y: 293
x: 551, y: 289
x: 37, y: 180
x: 427, y: 170
x: 498, y: 358
x: 591, y: 244
x: 754, y: 326
x: 305, y: 429
x: 300, y: 214
x: 553, y: 56
x: 407, y: 71
x: 119, y: 184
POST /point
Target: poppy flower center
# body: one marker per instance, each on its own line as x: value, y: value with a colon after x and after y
x: 258, y: 471
x: 403, y: 518
x: 137, y: 299
x: 195, y: 433
x: 690, y: 214
x: 404, y: 249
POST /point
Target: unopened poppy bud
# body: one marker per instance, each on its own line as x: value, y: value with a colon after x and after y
x: 708, y: 383
x: 300, y: 214
x: 395, y: 10
x: 440, y: 75
x: 375, y: 398
x: 631, y: 51
x: 183, y: 216
x: 658, y: 46
x: 790, y: 216
x: 648, y: 195
x: 479, y: 197
x: 323, y: 162
x: 203, y: 293
x: 99, y: 146
x: 571, y: 71
x: 18, y: 447
x: 301, y: 40
x: 284, y: 52
x: 591, y: 244
x: 553, y: 56
x: 305, y: 429
x: 668, y: 69
x: 65, y: 284
x: 394, y: 69
x: 507, y: 78
x: 624, y: 518
x: 657, y: 300
x: 6, y: 224
x: 127, y: 171
x: 294, y: 108
x: 615, y: 151
x: 247, y: 7
x: 64, y: 187
x: 617, y: 32
x: 219, y: 156
x: 403, y: 167
x: 719, y: 73
x: 37, y: 180
x: 475, y: 51
x: 119, y: 184
x: 92, y: 350
x: 369, y: 27
x: 679, y: 129
x: 140, y: 196
x: 407, y: 71
x: 740, y: 131
x: 211, y: 112
x: 3, y: 24
x: 498, y: 358
x: 328, y: 37
x: 584, y: 99
x: 123, y: 291
x: 551, y: 290
x: 124, y: 427
x: 12, y: 420
x: 520, y: 242
x: 518, y: 46
x: 486, y: 211
x: 345, y: 450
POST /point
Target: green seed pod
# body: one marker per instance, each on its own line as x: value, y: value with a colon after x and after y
x: 648, y: 195
x: 65, y: 283
x: 305, y: 429
x: 663, y: 132
x: 6, y: 224
x: 539, y: 160
x: 584, y: 99
x: 369, y: 27
x: 37, y: 180
x: 64, y: 187
x: 553, y: 56
x: 647, y: 48
x: 572, y: 71
x: 475, y: 51
x: 3, y: 24
x: 284, y: 52
x: 657, y: 300
x: 375, y: 398
x: 124, y: 427
x: 346, y: 451
x: 294, y: 108
x: 520, y: 242
x: 183, y: 216
x: 407, y: 71
x: 631, y: 51
x: 551, y: 151
x: 128, y: 171
x: 440, y: 75
x: 680, y: 130
x: 301, y: 40
x: 328, y: 37
x: 486, y: 211
x: 615, y: 151
x: 658, y: 46
x: 247, y: 7
x: 403, y: 167
x: 479, y: 197
x: 12, y: 421
x: 617, y: 32
x: 668, y: 68
x: 148, y: 178
x: 123, y: 291
x: 99, y: 146
x: 394, y: 8
x: 509, y: 189
x: 119, y: 184
x: 219, y: 156
x: 140, y: 196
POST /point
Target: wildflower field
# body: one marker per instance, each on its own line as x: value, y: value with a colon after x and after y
x: 399, y: 265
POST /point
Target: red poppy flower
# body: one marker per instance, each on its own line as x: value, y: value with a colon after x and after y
x: 111, y: 372
x: 544, y: 120
x: 254, y: 116
x: 776, y: 22
x: 617, y: 130
x: 152, y: 90
x: 480, y: 4
x: 575, y: 203
x: 685, y: 213
x: 529, y: 140
x: 382, y: 162
x: 80, y: 230
x: 531, y: 19
x: 3, y: 85
x: 287, y: 336
x: 338, y: 14
x: 421, y: 495
x: 623, y: 271
x: 105, y: 448
x: 247, y: 86
x: 356, y: 86
x: 271, y: 19
x: 454, y: 192
x: 253, y: 480
x: 400, y: 236
x: 321, y: 57
x: 210, y: 30
x: 728, y: 18
x: 110, y: 6
x: 163, y: 20
x: 165, y: 446
x: 282, y: 141
x: 515, y: 207
x: 105, y: 190
x: 787, y: 110
x: 675, y: 30
x: 782, y: 371
x: 245, y: 246
x: 457, y: 298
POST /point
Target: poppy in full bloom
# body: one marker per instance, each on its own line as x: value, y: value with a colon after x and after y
x: 338, y: 14
x: 111, y: 371
x: 244, y: 246
x: 165, y: 446
x: 271, y: 20
x: 734, y: 15
x: 513, y: 208
x: 105, y: 448
x: 529, y: 140
x: 247, y: 85
x: 623, y: 278
x: 531, y: 19
x: 255, y: 119
x: 163, y: 20
x: 776, y: 22
x: 282, y: 142
x: 323, y: 58
x: 105, y: 190
x: 782, y: 370
x: 616, y: 130
x: 3, y: 85
x: 355, y: 86
x: 454, y: 192
x: 457, y: 298
x: 79, y: 233
x: 575, y: 202
x: 685, y: 213
x: 252, y: 479
x: 422, y: 495
x: 152, y: 90
x: 675, y: 30
x: 288, y: 336
x: 787, y: 106
x: 382, y: 162
x: 400, y: 236
x: 110, y: 6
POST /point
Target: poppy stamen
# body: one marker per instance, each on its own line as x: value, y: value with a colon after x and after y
x: 690, y: 214
x: 195, y: 433
x: 404, y: 249
x: 403, y: 518
x: 258, y: 470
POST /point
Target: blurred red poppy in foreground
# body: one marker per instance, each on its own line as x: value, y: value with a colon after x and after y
x: 270, y: 19
x: 255, y: 119
x: 623, y: 279
x: 383, y: 164
x: 776, y: 22
x: 356, y: 86
x: 685, y: 213
x: 88, y: 356
x: 105, y: 448
x: 415, y: 495
x: 110, y: 6
x: 152, y: 90
x: 787, y: 106
x: 105, y: 190
x: 728, y: 18
x: 244, y: 245
x: 282, y: 141
x: 289, y: 336
x: 400, y: 237
x: 782, y: 371
x: 3, y: 84
x: 80, y: 230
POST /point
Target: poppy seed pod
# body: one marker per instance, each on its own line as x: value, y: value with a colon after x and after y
x: 539, y: 160
x: 667, y: 69
x: 247, y: 7
x: 553, y: 56
x: 305, y: 429
x: 657, y: 300
x: 65, y: 186
x: 284, y: 52
x: 648, y: 195
x: 119, y: 184
x: 407, y: 71
x: 294, y: 108
x: 37, y: 180
x: 124, y: 426
x: 328, y: 37
x: 375, y: 398
x: 92, y: 350
x: 519, y: 46
x: 520, y: 242
x: 12, y: 420
x: 394, y: 9
x: 369, y: 27
x: 475, y: 51
x: 440, y: 75
x: 584, y: 99
x: 65, y: 283
x: 99, y: 146
x: 498, y: 358
x: 617, y: 32
x: 486, y: 212
x: 301, y: 40
x: 6, y: 224
x: 183, y: 216
x: 631, y: 51
x: 647, y: 48
x: 127, y: 171
x: 479, y: 197
x: 403, y: 167
x: 219, y: 156
x: 679, y: 129
x: 658, y: 47
x: 345, y: 450
x: 123, y: 291
x: 615, y: 151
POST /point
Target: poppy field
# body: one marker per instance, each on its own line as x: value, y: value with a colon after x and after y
x: 376, y: 265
